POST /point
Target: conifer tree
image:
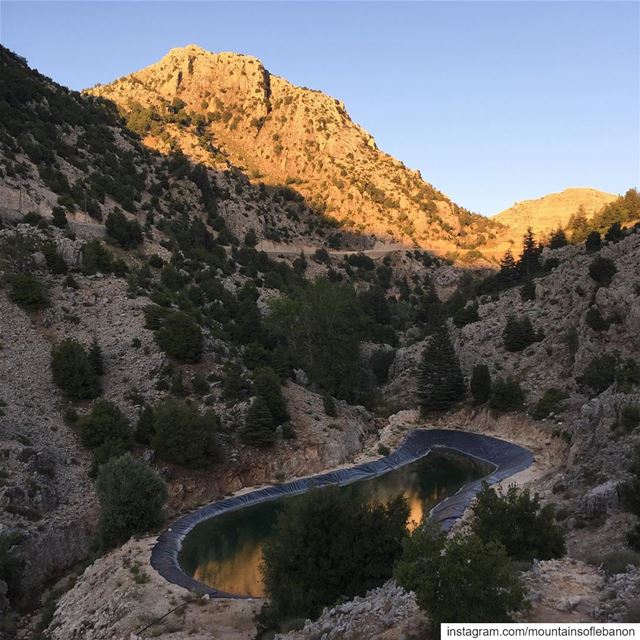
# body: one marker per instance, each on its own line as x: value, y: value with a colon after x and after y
x: 558, y: 239
x: 266, y: 385
x: 593, y: 242
x: 578, y: 225
x: 59, y: 218
x: 529, y: 263
x: 508, y: 273
x: 518, y: 334
x: 259, y: 430
x: 480, y: 385
x: 440, y: 381
x: 95, y: 357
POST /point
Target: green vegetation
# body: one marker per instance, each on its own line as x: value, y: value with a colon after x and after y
x: 59, y: 217
x: 516, y: 520
x: 460, y: 579
x: 551, y: 402
x: 466, y: 315
x: 600, y: 373
x: 519, y: 334
x: 11, y: 565
x: 182, y: 435
x: 266, y: 385
x: 259, y: 427
x: 72, y: 371
x: 627, y: 375
x: 602, y: 270
x: 131, y: 500
x: 27, y: 292
x: 318, y: 329
x: 106, y: 431
x: 180, y: 337
x: 629, y: 418
x: 593, y: 242
x: 125, y: 233
x: 558, y: 239
x: 480, y: 385
x: 595, y: 320
x: 96, y: 258
x: 440, y: 381
x: 506, y: 395
x: 329, y: 545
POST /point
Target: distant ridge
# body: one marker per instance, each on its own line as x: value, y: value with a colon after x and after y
x: 546, y: 213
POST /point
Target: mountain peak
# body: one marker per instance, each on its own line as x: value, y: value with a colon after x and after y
x: 234, y: 112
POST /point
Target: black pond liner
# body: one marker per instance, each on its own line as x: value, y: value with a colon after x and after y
x: 506, y: 458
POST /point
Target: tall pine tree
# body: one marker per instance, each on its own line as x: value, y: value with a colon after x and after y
x: 440, y: 381
x: 529, y: 263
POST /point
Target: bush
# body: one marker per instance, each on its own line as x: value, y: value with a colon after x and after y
x: 599, y: 374
x: 145, y: 427
x: 506, y: 395
x: 633, y: 538
x: 96, y: 258
x: 72, y: 371
x: 259, y: 428
x: 558, y: 239
x: 180, y: 337
x: 630, y: 492
x: 551, y: 402
x: 125, y: 233
x: 11, y: 565
x: 627, y: 375
x: 595, y: 320
x: 380, y: 361
x: 466, y: 315
x: 517, y: 520
x: 266, y: 384
x: 105, y: 430
x: 616, y: 562
x: 593, y: 242
x: 602, y: 270
x: 330, y: 544
x: 480, y: 384
x: 329, y: 406
x: 630, y: 418
x: 199, y: 384
x: 184, y: 436
x: 440, y: 381
x: 59, y: 217
x: 460, y: 579
x: 27, y: 292
x: 131, y: 499
x: 528, y: 289
x: 234, y: 386
x: 518, y: 334
x: 614, y: 233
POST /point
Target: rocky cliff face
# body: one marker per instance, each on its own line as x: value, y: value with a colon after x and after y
x: 227, y: 108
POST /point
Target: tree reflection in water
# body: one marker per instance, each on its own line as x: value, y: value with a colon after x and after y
x: 226, y: 552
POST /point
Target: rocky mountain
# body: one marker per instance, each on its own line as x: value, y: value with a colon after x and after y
x: 178, y: 279
x: 227, y: 109
x: 549, y: 212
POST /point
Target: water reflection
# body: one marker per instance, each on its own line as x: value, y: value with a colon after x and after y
x: 226, y: 552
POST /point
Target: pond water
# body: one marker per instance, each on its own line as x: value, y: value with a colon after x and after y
x: 225, y: 552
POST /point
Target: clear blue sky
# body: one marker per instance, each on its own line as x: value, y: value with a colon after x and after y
x: 493, y: 101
